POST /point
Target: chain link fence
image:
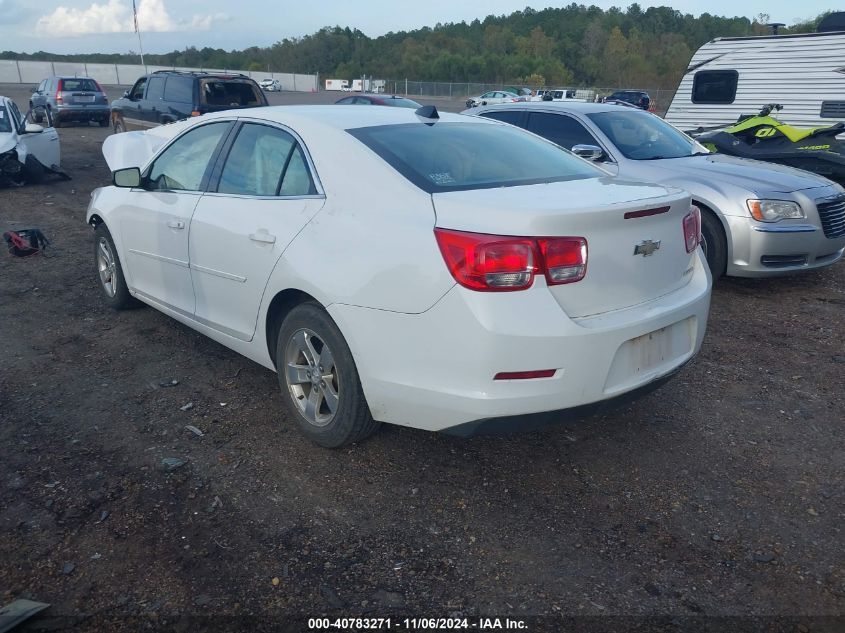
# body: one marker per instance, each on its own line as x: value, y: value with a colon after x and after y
x: 660, y: 97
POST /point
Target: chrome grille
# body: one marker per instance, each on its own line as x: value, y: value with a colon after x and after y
x: 832, y: 215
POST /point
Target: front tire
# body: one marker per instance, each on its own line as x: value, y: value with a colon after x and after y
x: 109, y: 271
x: 714, y: 243
x: 320, y: 386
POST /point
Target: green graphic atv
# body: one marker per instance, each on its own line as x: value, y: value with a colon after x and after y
x: 763, y: 137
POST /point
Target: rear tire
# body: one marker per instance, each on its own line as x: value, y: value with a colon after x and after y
x: 110, y: 272
x: 320, y: 386
x: 714, y: 242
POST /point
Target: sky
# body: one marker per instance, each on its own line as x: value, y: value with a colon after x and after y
x: 106, y: 26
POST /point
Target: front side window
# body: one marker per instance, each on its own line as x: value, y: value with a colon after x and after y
x: 15, y: 114
x: 183, y: 164
x: 461, y: 156
x: 265, y: 161
x: 714, y: 86
x: 560, y: 129
x: 138, y: 89
x: 642, y: 136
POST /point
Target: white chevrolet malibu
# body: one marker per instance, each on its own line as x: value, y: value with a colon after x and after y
x: 440, y: 272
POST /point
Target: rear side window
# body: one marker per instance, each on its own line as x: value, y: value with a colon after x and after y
x: 560, y: 129
x: 514, y: 117
x: 216, y: 92
x: 77, y: 84
x: 714, y: 86
x: 265, y: 161
x: 179, y: 89
x: 461, y: 156
x: 155, y: 88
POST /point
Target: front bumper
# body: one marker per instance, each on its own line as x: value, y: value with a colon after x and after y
x: 436, y: 370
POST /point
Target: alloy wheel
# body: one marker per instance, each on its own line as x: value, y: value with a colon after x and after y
x: 107, y: 267
x: 311, y: 377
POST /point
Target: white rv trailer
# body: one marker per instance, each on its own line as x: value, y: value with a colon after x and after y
x: 731, y: 76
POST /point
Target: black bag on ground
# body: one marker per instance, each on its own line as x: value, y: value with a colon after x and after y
x: 25, y: 242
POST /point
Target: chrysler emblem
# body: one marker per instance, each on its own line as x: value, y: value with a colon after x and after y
x: 646, y: 248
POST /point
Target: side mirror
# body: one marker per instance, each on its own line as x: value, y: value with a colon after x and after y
x: 588, y: 152
x: 32, y: 128
x: 126, y: 94
x: 128, y: 177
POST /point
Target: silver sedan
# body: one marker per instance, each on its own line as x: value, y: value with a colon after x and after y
x: 758, y: 219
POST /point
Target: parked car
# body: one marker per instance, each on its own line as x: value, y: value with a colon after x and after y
x: 27, y: 150
x: 65, y: 99
x: 554, y: 94
x: 166, y: 96
x: 758, y: 219
x: 636, y: 98
x: 270, y: 85
x: 384, y: 100
x: 436, y: 317
x: 494, y: 96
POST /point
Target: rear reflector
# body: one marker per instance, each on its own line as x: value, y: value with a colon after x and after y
x: 496, y: 263
x: 692, y: 229
x: 524, y: 375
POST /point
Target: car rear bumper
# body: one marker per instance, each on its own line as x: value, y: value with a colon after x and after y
x: 436, y: 370
x: 84, y: 113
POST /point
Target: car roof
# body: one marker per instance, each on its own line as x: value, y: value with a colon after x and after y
x: 580, y: 107
x: 340, y: 117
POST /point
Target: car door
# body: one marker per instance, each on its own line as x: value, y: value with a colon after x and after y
x: 155, y: 218
x: 44, y: 145
x: 262, y: 194
x: 131, y: 107
x: 151, y: 105
x: 37, y: 99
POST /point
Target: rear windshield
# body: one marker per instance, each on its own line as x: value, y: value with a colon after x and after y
x: 460, y: 156
x: 401, y: 102
x: 5, y: 125
x: 236, y: 94
x: 74, y: 83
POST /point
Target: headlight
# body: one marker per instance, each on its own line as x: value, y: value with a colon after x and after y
x: 774, y: 210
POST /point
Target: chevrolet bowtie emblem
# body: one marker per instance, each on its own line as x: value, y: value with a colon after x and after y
x: 646, y: 248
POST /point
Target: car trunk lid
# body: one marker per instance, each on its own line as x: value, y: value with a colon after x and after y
x: 630, y: 260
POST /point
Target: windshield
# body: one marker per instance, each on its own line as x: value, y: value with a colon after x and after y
x: 460, y: 156
x: 642, y: 136
x: 5, y: 125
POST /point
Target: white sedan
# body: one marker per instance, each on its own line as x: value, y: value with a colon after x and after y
x: 270, y: 85
x: 493, y: 276
x: 27, y: 150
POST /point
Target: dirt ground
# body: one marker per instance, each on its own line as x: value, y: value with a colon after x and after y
x: 721, y: 494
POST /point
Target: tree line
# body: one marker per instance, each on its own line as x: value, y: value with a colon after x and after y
x: 573, y: 45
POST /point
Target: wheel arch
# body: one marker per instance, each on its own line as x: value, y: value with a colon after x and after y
x: 722, y: 222
x: 282, y: 303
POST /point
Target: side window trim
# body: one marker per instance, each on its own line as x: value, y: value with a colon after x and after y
x: 521, y: 123
x: 214, y: 179
x: 212, y: 161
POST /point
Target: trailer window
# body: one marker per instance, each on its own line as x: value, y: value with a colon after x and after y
x: 714, y: 86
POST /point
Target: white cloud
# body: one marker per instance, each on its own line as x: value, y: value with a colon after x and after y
x: 115, y: 16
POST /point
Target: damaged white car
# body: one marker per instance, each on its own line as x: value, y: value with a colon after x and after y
x: 27, y: 150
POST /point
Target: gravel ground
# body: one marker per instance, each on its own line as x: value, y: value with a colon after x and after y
x: 721, y: 494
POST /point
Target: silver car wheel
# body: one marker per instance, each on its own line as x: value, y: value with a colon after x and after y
x: 107, y: 267
x: 311, y: 377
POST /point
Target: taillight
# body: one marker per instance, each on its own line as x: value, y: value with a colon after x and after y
x: 565, y: 259
x: 59, y: 91
x: 496, y: 263
x: 692, y: 228
x: 100, y: 89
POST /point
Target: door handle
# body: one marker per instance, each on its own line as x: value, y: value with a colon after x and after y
x: 263, y: 237
x: 176, y: 224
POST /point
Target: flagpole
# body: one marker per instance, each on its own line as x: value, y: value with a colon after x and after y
x: 138, y: 32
